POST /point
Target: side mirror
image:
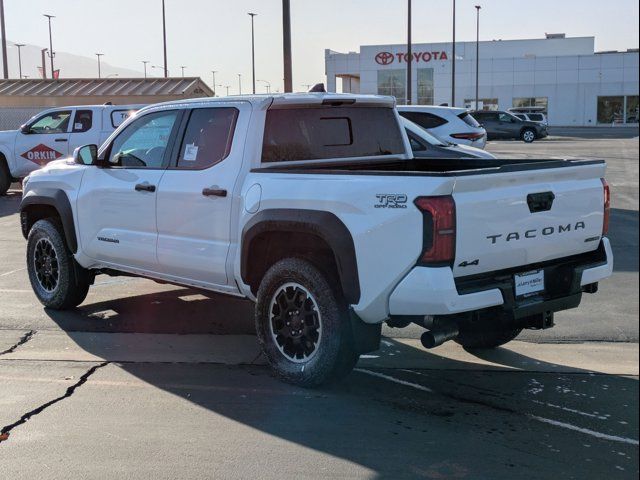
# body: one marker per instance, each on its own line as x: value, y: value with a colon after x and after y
x: 86, y: 155
x: 26, y: 129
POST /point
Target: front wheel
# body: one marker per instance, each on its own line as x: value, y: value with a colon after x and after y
x: 56, y: 278
x: 5, y: 176
x: 479, y: 339
x: 528, y: 135
x: 303, y: 325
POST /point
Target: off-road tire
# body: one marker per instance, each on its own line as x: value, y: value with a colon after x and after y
x: 528, y: 135
x: 473, y: 340
x: 335, y: 354
x: 72, y: 282
x: 5, y: 176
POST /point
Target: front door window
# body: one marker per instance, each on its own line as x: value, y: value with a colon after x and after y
x: 143, y: 144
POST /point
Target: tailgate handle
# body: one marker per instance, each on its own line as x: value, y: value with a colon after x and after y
x: 540, y: 202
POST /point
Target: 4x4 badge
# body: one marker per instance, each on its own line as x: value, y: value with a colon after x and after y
x: 468, y: 264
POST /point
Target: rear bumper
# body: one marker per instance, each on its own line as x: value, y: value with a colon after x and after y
x: 434, y: 291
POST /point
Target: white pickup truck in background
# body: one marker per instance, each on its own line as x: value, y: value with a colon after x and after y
x: 313, y: 206
x: 54, y: 134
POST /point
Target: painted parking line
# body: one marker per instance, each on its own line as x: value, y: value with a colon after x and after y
x: 394, y: 379
x: 548, y: 421
x: 12, y: 272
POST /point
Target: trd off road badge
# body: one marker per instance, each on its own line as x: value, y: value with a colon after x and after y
x: 391, y: 200
x: 41, y: 154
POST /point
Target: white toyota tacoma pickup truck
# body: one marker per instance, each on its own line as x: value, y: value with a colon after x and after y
x: 312, y: 206
x: 55, y: 133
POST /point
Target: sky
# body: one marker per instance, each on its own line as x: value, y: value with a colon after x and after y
x: 205, y: 35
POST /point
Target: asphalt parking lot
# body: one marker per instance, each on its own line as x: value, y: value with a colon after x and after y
x: 156, y: 381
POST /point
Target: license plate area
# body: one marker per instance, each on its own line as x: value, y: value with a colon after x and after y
x: 529, y: 283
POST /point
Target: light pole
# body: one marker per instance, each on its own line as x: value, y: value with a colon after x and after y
x: 477, y: 53
x: 213, y: 75
x: 144, y: 62
x: 19, y: 45
x: 267, y: 84
x: 253, y: 53
x: 99, y: 55
x: 286, y: 43
x: 51, y: 53
x: 453, y: 59
x: 239, y: 84
x: 161, y: 68
x: 410, y: 54
x: 3, y: 34
x: 164, y: 40
x: 182, y: 67
x: 227, y: 87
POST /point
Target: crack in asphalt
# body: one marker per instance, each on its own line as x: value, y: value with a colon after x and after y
x: 25, y: 338
x: 5, y: 432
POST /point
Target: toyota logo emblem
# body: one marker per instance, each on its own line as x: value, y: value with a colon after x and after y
x: 384, y: 58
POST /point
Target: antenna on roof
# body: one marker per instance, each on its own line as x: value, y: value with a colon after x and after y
x: 108, y: 103
x: 318, y: 88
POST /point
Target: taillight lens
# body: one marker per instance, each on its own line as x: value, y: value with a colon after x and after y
x: 607, y: 207
x: 468, y: 136
x: 439, y: 230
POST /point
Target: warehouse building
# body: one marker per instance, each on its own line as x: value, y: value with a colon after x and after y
x: 21, y: 99
x: 575, y: 85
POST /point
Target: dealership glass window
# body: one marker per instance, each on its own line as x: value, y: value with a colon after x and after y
x: 531, y: 102
x: 425, y: 86
x: 392, y: 82
x: 632, y: 109
x: 484, y: 103
x: 611, y: 109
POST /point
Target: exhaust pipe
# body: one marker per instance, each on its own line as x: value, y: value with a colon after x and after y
x: 441, y: 332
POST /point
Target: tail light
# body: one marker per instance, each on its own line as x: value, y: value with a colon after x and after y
x: 439, y: 230
x: 468, y: 136
x: 607, y: 207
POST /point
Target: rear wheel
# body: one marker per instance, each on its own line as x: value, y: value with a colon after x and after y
x: 5, y: 176
x: 528, y: 135
x: 57, y: 279
x: 479, y: 339
x: 303, y: 325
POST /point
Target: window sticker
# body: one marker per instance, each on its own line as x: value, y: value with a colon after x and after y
x: 78, y: 126
x: 190, y: 153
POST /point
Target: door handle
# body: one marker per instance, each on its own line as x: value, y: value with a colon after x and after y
x: 145, y: 187
x: 214, y: 191
x: 61, y: 139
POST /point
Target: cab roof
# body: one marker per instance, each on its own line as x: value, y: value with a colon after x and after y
x: 283, y: 100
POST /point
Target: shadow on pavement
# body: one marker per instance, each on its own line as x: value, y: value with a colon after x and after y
x: 623, y: 233
x: 460, y: 423
x: 180, y: 311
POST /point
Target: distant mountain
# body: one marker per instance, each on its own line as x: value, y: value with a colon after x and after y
x: 71, y: 66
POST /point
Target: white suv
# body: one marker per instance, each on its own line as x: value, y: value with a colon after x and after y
x: 455, y: 125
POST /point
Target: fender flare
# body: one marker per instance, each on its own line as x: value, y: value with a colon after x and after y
x: 57, y: 199
x: 324, y: 225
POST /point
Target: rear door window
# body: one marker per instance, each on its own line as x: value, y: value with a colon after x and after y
x: 207, y: 139
x: 82, y: 121
x: 316, y: 133
x: 424, y: 119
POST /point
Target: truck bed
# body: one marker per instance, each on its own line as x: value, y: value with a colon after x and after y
x: 421, y: 167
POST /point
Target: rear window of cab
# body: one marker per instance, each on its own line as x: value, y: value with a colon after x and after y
x: 317, y: 133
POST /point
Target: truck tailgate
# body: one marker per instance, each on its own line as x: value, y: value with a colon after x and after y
x: 518, y: 218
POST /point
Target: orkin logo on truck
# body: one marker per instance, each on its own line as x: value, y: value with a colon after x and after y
x: 387, y: 58
x: 41, y: 154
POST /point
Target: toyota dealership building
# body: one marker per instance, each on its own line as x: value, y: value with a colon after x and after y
x: 573, y: 83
